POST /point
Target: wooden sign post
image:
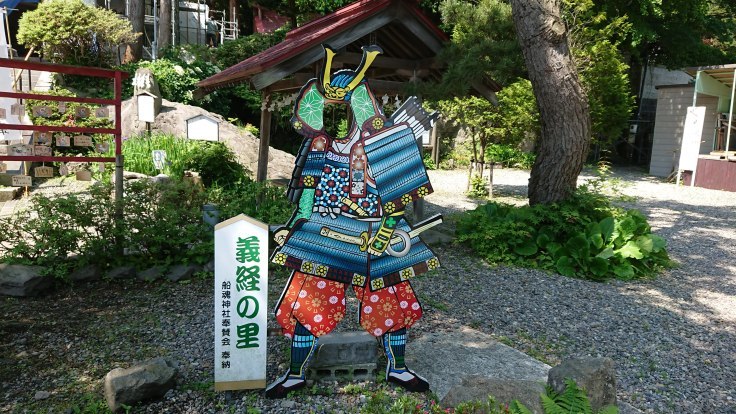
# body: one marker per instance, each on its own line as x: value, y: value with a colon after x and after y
x: 241, y: 303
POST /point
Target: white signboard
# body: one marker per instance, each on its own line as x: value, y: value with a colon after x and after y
x: 241, y: 303
x: 159, y: 159
x: 146, y: 108
x: 21, y: 181
x: 203, y: 128
x: 691, y: 138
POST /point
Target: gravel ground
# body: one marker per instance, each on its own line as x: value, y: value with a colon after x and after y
x: 673, y: 338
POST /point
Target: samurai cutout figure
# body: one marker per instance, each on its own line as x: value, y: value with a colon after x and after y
x: 349, y: 228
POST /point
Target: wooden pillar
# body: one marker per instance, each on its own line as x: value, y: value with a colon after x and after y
x: 435, y: 142
x: 262, y: 172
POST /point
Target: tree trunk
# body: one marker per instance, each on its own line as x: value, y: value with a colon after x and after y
x: 164, y: 25
x: 137, y: 11
x: 563, y: 105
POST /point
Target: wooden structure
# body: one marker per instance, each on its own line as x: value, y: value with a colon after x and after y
x: 116, y: 75
x: 714, y: 159
x: 410, y: 41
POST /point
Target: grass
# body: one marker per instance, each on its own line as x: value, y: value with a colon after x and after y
x: 138, y: 153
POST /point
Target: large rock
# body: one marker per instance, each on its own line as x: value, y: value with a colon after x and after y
x: 86, y: 273
x: 446, y: 359
x: 121, y: 272
x: 478, y: 388
x: 181, y: 272
x: 20, y: 280
x: 597, y: 376
x: 146, y: 381
x: 172, y: 120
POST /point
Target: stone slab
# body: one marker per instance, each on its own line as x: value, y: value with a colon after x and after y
x: 444, y: 359
x: 7, y: 193
x: 478, y: 388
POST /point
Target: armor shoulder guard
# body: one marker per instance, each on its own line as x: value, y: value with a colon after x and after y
x: 397, y: 167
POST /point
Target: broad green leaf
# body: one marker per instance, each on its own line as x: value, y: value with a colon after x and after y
x: 626, y: 228
x: 565, y: 266
x: 577, y: 243
x: 645, y: 243
x: 543, y: 240
x: 528, y: 248
x: 658, y: 243
x: 598, y: 266
x: 606, y: 253
x: 593, y: 229
x: 624, y: 271
x: 607, y: 225
x: 596, y: 240
x: 630, y: 249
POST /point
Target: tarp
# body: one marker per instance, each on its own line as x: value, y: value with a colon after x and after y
x: 12, y: 4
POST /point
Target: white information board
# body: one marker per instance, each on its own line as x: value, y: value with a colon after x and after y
x: 241, y: 303
x: 691, y: 138
x: 203, y: 128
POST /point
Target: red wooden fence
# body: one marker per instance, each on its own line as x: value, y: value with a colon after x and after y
x: 116, y: 75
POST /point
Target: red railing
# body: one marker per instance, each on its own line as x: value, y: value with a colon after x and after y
x: 116, y: 75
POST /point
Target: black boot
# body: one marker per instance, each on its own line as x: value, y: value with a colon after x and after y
x: 394, y: 344
x: 302, y: 348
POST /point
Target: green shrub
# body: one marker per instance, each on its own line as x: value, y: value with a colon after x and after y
x: 260, y: 200
x: 69, y: 31
x: 509, y: 156
x: 163, y: 223
x: 478, y: 187
x: 584, y: 237
x: 216, y: 164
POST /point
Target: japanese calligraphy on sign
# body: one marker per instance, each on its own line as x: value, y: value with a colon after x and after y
x: 42, y: 151
x: 21, y: 181
x: 241, y: 302
x: 62, y: 140
x: 43, y: 172
x: 82, y: 141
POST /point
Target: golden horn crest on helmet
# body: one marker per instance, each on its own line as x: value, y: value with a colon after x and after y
x: 335, y: 92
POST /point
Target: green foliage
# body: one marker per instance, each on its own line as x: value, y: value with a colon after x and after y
x: 571, y: 400
x: 215, y: 163
x: 603, y: 73
x: 429, y: 162
x: 69, y: 31
x: 69, y: 119
x: 161, y: 224
x: 519, y: 113
x: 138, y: 153
x: 249, y: 197
x: 676, y: 33
x: 478, y: 187
x: 483, y: 43
x: 583, y: 237
x: 509, y: 156
x: 236, y: 51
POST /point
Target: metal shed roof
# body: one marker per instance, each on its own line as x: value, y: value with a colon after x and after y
x: 410, y: 42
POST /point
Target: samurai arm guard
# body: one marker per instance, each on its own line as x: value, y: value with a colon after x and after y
x: 380, y: 242
x: 314, y: 163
